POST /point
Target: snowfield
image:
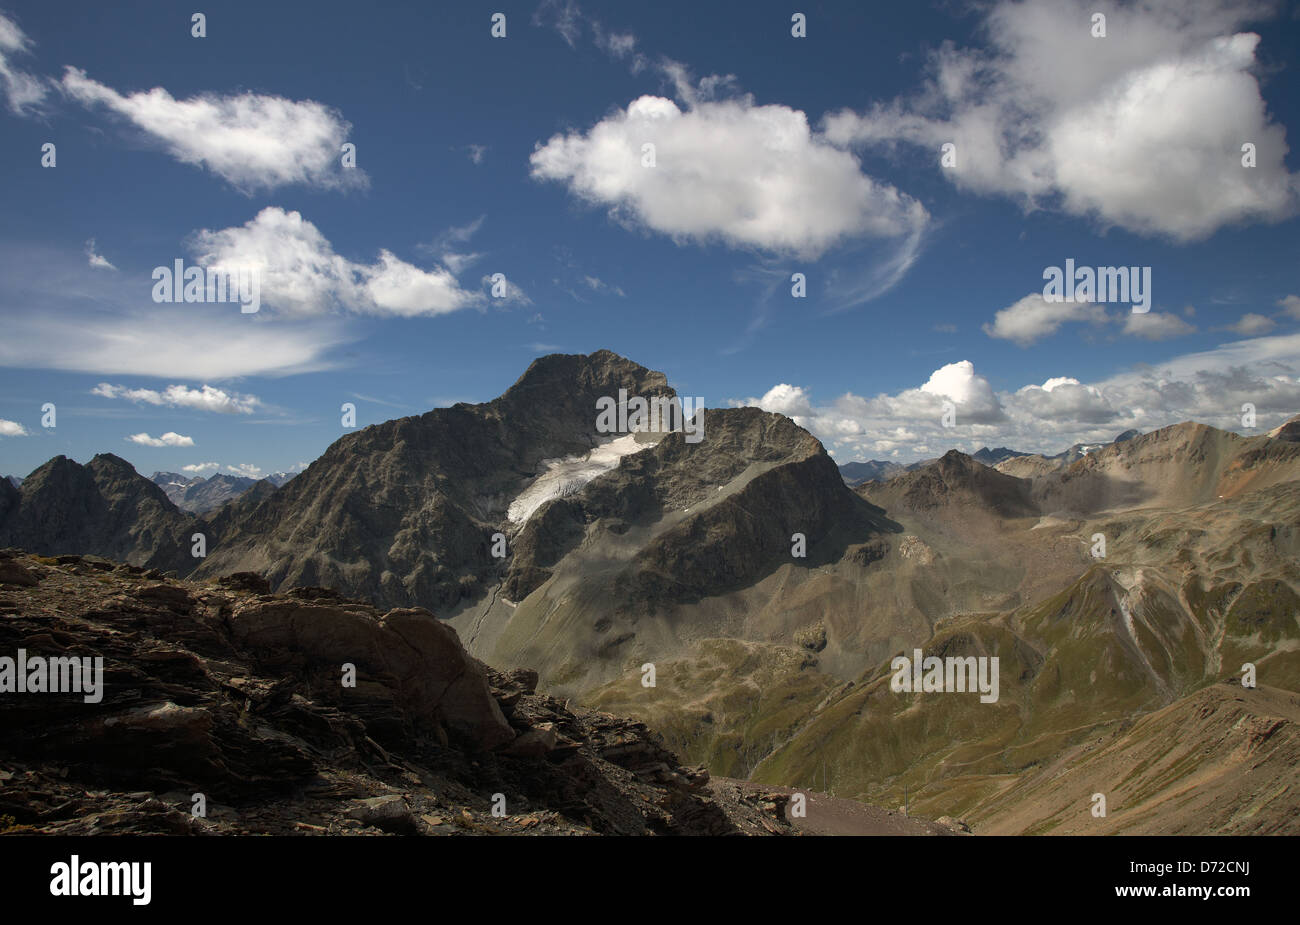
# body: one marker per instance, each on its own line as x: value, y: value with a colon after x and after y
x: 563, y: 477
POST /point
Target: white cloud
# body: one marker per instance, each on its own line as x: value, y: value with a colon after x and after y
x: 614, y: 44
x: 958, y: 382
x: 1033, y: 318
x: 168, y: 439
x: 252, y: 141
x: 512, y: 294
x: 1156, y: 325
x: 200, y: 468
x: 22, y: 91
x: 95, y: 260
x: 729, y: 171
x: 1064, y: 398
x: 1208, y: 386
x: 207, y: 398
x: 301, y: 274
x: 180, y: 345
x: 446, y: 245
x: 564, y: 17
x: 790, y: 400
x: 1290, y: 306
x: 1141, y: 129
x: 1252, y: 325
x: 61, y: 314
x: 12, y: 429
x: 248, y: 470
x: 596, y: 284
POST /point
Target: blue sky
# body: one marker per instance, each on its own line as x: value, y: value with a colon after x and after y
x: 522, y: 156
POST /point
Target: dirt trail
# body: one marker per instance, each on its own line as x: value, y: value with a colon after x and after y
x: 828, y: 815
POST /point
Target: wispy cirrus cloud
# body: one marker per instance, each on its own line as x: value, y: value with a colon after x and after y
x: 96, y: 260
x: 23, y: 92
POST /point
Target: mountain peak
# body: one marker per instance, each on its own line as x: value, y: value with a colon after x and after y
x: 1288, y: 430
x: 602, y: 372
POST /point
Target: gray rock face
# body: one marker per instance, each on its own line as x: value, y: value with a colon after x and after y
x: 718, y: 514
x: 103, y: 507
x: 403, y: 512
x: 199, y: 495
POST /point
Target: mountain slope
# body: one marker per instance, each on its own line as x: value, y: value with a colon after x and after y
x: 227, y: 690
x: 103, y: 507
x: 404, y: 511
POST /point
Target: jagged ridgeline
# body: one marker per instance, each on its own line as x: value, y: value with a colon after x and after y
x: 769, y: 597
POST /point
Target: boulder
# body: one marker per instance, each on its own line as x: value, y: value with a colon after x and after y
x: 389, y: 813
x: 15, y: 573
x: 407, y: 653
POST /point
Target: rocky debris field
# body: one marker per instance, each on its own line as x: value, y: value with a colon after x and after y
x: 224, y: 690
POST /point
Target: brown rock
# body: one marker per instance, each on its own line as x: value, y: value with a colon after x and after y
x: 14, y: 573
x: 416, y: 658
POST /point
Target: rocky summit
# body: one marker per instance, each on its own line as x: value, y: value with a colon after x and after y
x: 226, y: 694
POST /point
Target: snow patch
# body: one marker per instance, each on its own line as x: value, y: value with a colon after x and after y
x: 563, y: 477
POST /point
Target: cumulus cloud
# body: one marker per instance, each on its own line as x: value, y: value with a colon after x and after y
x: 252, y: 141
x: 1064, y: 398
x: 1252, y: 324
x: 207, y: 398
x: 248, y: 470
x: 1142, y: 129
x: 1033, y: 318
x: 300, y: 274
x: 790, y: 400
x: 200, y: 468
x: 1290, y: 306
x: 1208, y: 386
x: 168, y: 439
x: 12, y: 429
x: 746, y: 175
x: 889, y: 422
x: 23, y: 92
x: 1156, y: 326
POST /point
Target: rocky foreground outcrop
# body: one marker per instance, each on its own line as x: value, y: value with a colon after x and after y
x: 307, y: 713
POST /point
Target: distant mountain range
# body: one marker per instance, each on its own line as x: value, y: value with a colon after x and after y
x: 200, y: 495
x: 856, y: 473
